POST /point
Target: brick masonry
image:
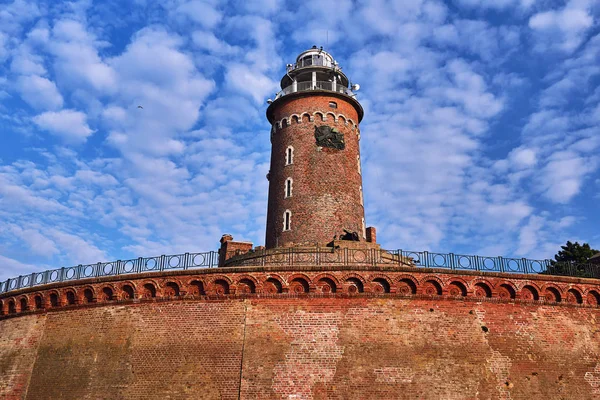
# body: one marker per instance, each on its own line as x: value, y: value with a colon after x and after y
x: 326, y: 184
x: 308, y: 333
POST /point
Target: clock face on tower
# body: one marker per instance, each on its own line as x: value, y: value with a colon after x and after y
x: 327, y: 136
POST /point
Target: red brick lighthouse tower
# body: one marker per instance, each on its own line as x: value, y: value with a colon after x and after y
x: 315, y: 183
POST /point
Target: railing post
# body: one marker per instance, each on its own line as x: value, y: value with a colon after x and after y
x: 140, y: 261
x: 525, y: 269
x: 501, y: 261
x: 186, y: 257
x: 426, y: 257
x: 62, y: 274
x: 162, y: 263
x: 31, y: 279
x: 451, y: 264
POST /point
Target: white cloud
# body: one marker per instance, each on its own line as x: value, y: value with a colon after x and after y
x: 40, y: 93
x: 70, y: 125
x: 77, y: 62
x: 563, y: 29
x: 201, y: 12
x: 241, y: 78
x: 522, y: 158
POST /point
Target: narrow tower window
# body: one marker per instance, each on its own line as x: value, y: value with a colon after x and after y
x: 287, y: 220
x: 358, y: 162
x: 288, y: 187
x: 289, y: 155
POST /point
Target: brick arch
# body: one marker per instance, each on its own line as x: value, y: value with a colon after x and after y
x: 23, y: 303
x: 107, y: 292
x: 196, y: 287
x: 11, y: 306
x: 481, y: 288
x: 285, y: 122
x: 247, y: 284
x: 332, y: 277
x: 406, y: 284
x: 332, y: 115
x: 380, y: 283
x: 299, y: 283
x: 352, y: 123
x: 343, y: 117
x: 128, y: 290
x: 295, y: 118
x: 506, y: 290
x: 310, y: 117
x: 456, y: 287
x: 54, y: 298
x: 38, y: 304
x: 347, y: 276
x: 323, y: 117
x: 172, y: 288
x: 84, y: 294
x: 69, y: 296
x: 220, y: 286
x: 149, y: 289
x: 273, y: 284
x: 574, y: 296
x: 592, y: 297
x: 431, y: 285
x: 552, y: 293
x: 326, y: 283
x: 220, y: 277
x: 530, y: 292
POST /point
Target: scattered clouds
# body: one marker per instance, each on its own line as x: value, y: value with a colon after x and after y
x: 473, y: 141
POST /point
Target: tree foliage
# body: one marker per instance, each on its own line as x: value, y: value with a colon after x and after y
x: 575, y: 252
x: 572, y: 260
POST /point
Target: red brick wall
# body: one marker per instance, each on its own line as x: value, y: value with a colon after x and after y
x: 249, y: 338
x: 334, y: 348
x: 326, y: 182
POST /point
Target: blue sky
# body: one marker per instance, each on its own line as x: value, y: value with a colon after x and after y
x: 481, y: 130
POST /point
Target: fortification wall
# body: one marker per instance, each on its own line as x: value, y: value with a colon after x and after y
x: 330, y: 342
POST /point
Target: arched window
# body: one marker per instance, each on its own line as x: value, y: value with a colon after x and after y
x: 358, y: 162
x: 288, y: 187
x: 287, y: 220
x: 289, y: 155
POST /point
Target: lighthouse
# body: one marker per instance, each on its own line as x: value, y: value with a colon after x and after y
x: 315, y: 177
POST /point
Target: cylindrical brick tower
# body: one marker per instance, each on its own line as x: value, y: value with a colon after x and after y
x: 315, y: 183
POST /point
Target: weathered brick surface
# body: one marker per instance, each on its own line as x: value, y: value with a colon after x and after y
x: 19, y: 340
x: 326, y: 182
x: 364, y: 333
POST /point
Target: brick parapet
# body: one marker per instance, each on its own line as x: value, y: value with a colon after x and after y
x: 305, y: 281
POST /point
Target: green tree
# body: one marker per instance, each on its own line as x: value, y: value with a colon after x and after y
x: 575, y: 252
x: 572, y: 260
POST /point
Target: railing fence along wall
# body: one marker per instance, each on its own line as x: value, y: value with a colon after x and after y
x: 299, y: 257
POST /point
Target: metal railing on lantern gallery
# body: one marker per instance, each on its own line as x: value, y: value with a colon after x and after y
x: 319, y: 85
x: 304, y: 256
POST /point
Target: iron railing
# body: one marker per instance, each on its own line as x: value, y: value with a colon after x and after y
x: 318, y: 85
x: 290, y: 257
x: 113, y: 268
